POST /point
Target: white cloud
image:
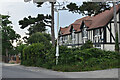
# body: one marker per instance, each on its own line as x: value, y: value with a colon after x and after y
x: 19, y: 10
x: 71, y: 0
x: 11, y: 1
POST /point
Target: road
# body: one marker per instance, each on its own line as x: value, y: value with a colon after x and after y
x: 18, y: 71
x: 15, y: 71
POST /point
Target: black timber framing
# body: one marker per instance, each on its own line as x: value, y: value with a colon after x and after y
x: 119, y: 26
x: 110, y: 34
x: 89, y: 35
x: 105, y: 34
x: 78, y: 38
x: 113, y: 21
x: 82, y: 44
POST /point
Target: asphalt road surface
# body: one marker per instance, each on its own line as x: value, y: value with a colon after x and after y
x: 18, y: 71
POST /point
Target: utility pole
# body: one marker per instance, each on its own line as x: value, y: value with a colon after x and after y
x: 115, y: 18
x: 57, y: 47
x: 116, y: 28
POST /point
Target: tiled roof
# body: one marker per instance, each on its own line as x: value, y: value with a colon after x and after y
x: 97, y: 21
x: 103, y: 18
x: 66, y: 30
x: 77, y: 24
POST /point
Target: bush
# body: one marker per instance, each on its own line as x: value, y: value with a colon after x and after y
x: 70, y: 59
x: 87, y: 45
x: 33, y: 53
x: 50, y: 58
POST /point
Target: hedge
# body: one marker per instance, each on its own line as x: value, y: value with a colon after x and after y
x: 70, y: 59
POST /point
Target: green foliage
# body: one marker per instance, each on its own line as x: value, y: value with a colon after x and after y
x: 40, y: 38
x: 116, y: 43
x: 86, y: 60
x: 70, y: 59
x: 88, y: 8
x: 20, y: 49
x: 8, y: 35
x: 33, y: 52
x: 37, y: 24
x: 13, y: 52
x: 87, y: 45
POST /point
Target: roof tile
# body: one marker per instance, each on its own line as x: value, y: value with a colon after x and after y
x: 99, y: 20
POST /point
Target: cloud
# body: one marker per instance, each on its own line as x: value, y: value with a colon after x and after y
x: 11, y: 1
x: 71, y: 0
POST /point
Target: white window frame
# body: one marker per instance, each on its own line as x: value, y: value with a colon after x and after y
x: 73, y: 36
x: 85, y: 34
x: 97, y: 37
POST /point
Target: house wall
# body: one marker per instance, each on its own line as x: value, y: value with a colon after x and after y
x: 107, y: 40
x: 118, y: 26
x: 109, y: 47
x: 110, y: 44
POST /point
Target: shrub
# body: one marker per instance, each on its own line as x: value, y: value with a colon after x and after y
x: 50, y: 58
x: 70, y: 59
x: 33, y: 52
x: 87, y: 45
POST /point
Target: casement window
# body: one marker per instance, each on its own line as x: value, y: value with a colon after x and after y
x: 70, y: 39
x: 84, y: 34
x: 73, y: 36
x: 97, y: 33
x: 97, y: 39
x: 60, y: 41
x: 66, y: 39
x: 63, y: 39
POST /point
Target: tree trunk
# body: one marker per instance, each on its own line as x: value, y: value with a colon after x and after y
x: 6, y: 52
x: 6, y: 58
x: 52, y: 26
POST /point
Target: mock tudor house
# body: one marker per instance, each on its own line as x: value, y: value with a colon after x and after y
x: 99, y: 29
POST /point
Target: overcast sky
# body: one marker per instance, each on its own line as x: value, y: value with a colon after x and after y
x: 18, y: 9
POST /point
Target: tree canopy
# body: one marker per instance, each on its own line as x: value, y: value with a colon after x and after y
x: 88, y: 8
x: 8, y: 34
x: 36, y: 24
x: 39, y: 4
x: 39, y: 37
